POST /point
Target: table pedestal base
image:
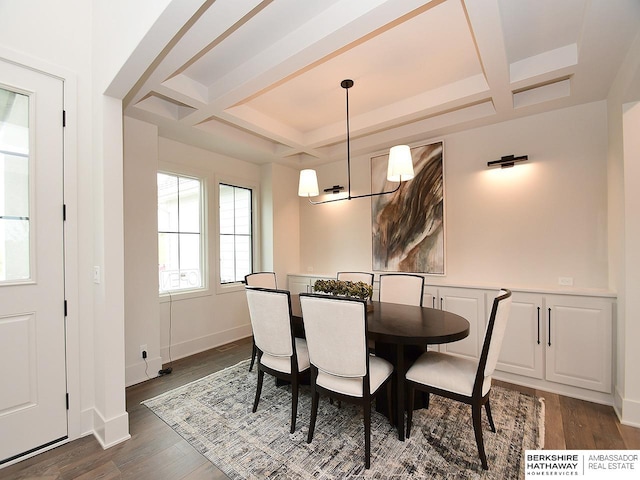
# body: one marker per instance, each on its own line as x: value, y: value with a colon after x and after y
x: 401, y: 357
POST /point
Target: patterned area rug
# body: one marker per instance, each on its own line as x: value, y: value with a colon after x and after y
x: 214, y: 415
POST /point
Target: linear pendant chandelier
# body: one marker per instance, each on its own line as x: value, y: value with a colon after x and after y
x: 399, y: 169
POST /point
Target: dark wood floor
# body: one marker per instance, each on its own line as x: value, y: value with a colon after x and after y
x: 156, y: 452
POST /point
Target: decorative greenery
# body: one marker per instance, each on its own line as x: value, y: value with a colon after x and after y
x: 349, y: 289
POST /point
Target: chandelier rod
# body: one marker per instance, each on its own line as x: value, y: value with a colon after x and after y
x: 347, y: 84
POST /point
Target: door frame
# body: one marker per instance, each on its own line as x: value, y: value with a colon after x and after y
x: 79, y: 423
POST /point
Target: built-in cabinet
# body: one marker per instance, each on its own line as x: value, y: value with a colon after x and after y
x: 552, y: 339
x: 298, y: 284
x: 523, y: 348
x: 466, y: 302
x: 560, y: 338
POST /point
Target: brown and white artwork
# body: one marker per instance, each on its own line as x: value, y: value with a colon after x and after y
x: 408, y: 225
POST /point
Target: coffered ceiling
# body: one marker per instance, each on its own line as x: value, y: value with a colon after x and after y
x: 260, y: 80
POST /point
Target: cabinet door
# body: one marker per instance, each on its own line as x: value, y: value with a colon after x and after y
x: 579, y: 341
x: 430, y: 297
x: 523, y: 344
x: 467, y: 303
x: 298, y: 284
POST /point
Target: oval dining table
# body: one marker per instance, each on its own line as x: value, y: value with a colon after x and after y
x: 401, y: 334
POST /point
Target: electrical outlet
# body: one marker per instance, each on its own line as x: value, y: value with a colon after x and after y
x: 143, y: 351
x: 566, y: 281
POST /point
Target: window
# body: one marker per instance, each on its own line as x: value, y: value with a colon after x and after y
x: 180, y: 237
x: 15, y: 230
x: 236, y: 236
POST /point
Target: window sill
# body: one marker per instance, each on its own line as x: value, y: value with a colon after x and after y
x: 184, y: 295
x: 223, y: 288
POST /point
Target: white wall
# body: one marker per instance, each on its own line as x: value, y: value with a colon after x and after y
x: 142, y: 311
x: 220, y: 317
x: 192, y: 323
x: 624, y: 230
x: 519, y: 227
x: 265, y: 262
x: 286, y: 222
x: 630, y: 411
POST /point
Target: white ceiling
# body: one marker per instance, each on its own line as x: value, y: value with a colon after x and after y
x: 260, y: 80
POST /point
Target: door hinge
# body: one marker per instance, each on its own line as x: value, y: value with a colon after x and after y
x: 65, y: 308
x: 64, y: 118
x: 67, y: 401
x: 64, y: 212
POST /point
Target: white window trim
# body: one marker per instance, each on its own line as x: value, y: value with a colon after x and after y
x: 204, y: 177
x: 222, y: 288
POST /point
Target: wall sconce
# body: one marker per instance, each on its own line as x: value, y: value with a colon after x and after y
x: 400, y: 168
x: 508, y: 161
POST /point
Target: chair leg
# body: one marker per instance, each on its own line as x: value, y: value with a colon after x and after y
x: 315, y: 396
x: 258, y: 390
x: 254, y: 352
x: 488, y: 409
x: 389, y: 404
x: 294, y: 403
x: 410, y: 403
x: 476, y: 413
x: 367, y: 435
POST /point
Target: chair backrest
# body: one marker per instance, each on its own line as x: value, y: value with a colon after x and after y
x: 270, y: 312
x: 401, y: 288
x: 261, y: 279
x: 335, y: 329
x: 494, y: 333
x: 356, y: 277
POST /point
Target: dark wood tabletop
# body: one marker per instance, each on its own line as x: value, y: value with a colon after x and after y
x: 407, y: 324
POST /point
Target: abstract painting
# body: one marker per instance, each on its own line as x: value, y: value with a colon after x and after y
x: 408, y: 225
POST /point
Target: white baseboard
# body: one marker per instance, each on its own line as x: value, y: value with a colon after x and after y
x: 630, y: 413
x: 110, y: 432
x: 617, y: 403
x: 201, y: 344
x: 142, y: 371
x: 558, y: 388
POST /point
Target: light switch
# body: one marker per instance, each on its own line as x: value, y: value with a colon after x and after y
x: 96, y: 274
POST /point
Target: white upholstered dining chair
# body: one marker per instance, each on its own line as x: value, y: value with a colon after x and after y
x: 261, y: 279
x: 464, y: 379
x: 280, y: 353
x: 264, y: 280
x: 401, y: 288
x: 356, y: 277
x: 341, y: 367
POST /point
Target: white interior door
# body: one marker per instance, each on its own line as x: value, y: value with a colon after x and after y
x: 33, y: 407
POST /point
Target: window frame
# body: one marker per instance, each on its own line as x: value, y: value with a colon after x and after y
x: 202, y: 177
x: 236, y: 286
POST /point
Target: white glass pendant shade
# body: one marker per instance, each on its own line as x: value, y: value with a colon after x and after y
x: 308, y: 184
x: 400, y: 166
